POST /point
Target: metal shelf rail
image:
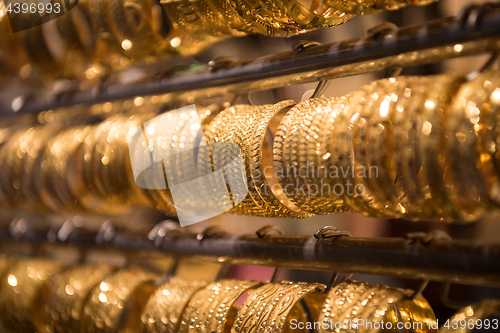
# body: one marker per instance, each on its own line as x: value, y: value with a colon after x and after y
x: 419, y: 256
x: 476, y: 30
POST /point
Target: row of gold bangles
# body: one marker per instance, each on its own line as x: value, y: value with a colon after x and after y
x: 406, y: 147
x: 39, y: 295
x: 97, y: 35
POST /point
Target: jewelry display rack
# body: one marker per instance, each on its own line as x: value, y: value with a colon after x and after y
x: 472, y: 32
x: 427, y: 257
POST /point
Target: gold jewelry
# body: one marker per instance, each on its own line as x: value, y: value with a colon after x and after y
x: 301, y: 144
x: 25, y: 286
x: 212, y: 308
x: 366, y: 197
x: 472, y: 317
x: 468, y: 113
x: 116, y: 303
x: 164, y: 308
x: 64, y: 308
x: 269, y: 308
x: 482, y: 102
x: 432, y: 179
x: 258, y: 158
x: 351, y: 301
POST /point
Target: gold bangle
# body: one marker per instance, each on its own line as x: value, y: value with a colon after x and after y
x: 212, y: 308
x: 302, y: 142
x: 405, y: 154
x: 64, y: 308
x: 432, y: 179
x: 351, y: 301
x: 116, y: 303
x: 366, y: 197
x: 269, y: 308
x: 256, y: 156
x: 25, y: 287
x: 487, y: 102
x: 468, y: 318
x: 468, y: 112
x: 380, y: 169
x: 164, y: 308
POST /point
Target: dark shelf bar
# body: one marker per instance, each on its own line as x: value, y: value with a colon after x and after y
x: 438, y: 260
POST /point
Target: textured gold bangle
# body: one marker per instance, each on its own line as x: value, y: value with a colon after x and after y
x: 432, y: 179
x: 267, y: 308
x: 64, y: 308
x: 116, y: 303
x: 366, y: 197
x: 164, y: 309
x: 405, y: 154
x: 471, y: 317
x: 259, y: 187
x: 351, y: 301
x: 212, y: 308
x: 25, y: 286
x: 301, y: 144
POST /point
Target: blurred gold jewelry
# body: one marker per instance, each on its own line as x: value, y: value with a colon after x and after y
x: 25, y: 287
x: 271, y: 307
x: 359, y: 7
x: 164, y: 308
x: 366, y: 196
x: 64, y: 308
x: 432, y: 180
x: 472, y: 317
x: 469, y: 112
x: 351, y: 301
x: 480, y: 101
x: 405, y: 153
x: 116, y: 303
x: 212, y: 309
x: 5, y: 263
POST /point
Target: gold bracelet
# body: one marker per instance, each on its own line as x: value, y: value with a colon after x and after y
x: 432, y: 179
x: 269, y: 308
x: 471, y: 317
x: 260, y: 188
x: 366, y: 197
x: 64, y: 308
x: 405, y: 154
x: 164, y: 308
x: 212, y: 308
x: 469, y: 112
x: 25, y: 287
x: 301, y: 143
x: 486, y: 129
x: 352, y: 304
x: 116, y: 303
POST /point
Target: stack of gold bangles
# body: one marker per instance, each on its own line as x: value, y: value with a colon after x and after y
x: 38, y: 295
x: 407, y: 147
x: 98, y: 35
